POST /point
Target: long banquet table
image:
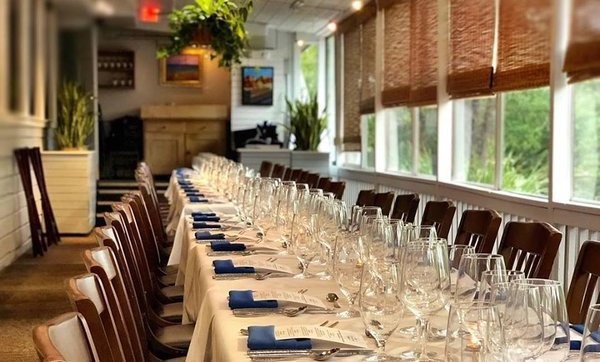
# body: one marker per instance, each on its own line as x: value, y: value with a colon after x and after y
x: 217, y: 334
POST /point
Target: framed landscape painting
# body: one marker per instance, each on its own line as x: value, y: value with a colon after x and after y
x: 257, y: 86
x: 181, y: 70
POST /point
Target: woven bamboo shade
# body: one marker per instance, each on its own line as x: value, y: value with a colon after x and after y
x: 523, y: 44
x: 583, y: 52
x: 471, y: 47
x: 352, y: 89
x: 367, y: 96
x: 423, y: 52
x: 396, y: 54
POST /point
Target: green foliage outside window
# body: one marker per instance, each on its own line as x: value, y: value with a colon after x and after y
x: 309, y: 58
x: 586, y: 157
x: 369, y: 120
x: 427, y: 141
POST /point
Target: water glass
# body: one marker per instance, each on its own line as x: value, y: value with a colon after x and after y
x: 470, y: 270
x: 590, y: 344
x: 474, y: 333
x: 347, y: 271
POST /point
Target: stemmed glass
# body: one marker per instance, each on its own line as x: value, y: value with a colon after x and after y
x: 425, y: 286
x: 380, y: 307
x: 590, y: 347
x: 347, y: 270
x: 553, y: 317
x: 489, y: 278
x: 470, y: 269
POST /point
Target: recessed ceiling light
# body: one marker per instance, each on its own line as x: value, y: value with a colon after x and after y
x: 332, y: 26
x: 357, y: 4
x: 300, y: 42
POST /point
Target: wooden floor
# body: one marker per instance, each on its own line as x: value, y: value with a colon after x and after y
x: 32, y: 291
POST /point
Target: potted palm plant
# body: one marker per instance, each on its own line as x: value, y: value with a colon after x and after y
x: 215, y: 23
x: 307, y: 125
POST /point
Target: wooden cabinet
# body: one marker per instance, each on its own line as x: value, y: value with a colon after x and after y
x: 173, y: 138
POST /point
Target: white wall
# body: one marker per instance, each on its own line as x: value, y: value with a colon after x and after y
x: 243, y: 117
x: 120, y: 102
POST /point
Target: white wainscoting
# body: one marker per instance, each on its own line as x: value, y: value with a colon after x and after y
x: 15, y: 237
x: 577, y: 224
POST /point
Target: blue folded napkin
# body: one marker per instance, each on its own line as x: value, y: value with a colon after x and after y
x: 193, y: 193
x: 206, y: 218
x: 201, y: 213
x: 184, y: 183
x: 239, y: 299
x: 205, y: 225
x: 197, y: 199
x: 224, y: 245
x: 590, y: 347
x: 189, y: 188
x: 263, y: 337
x: 226, y: 267
x: 205, y: 235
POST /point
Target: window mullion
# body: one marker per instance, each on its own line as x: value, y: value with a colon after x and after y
x: 498, y: 174
x: 414, y: 115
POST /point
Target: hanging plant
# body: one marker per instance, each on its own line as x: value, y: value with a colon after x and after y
x: 216, y: 23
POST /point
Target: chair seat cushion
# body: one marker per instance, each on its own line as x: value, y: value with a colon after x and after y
x: 168, y: 280
x: 178, y: 336
x: 171, y: 312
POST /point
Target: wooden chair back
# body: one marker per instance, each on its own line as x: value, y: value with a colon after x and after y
x: 287, y: 174
x: 67, y: 338
x: 366, y: 198
x: 294, y: 174
x: 278, y: 171
x: 384, y: 200
x: 302, y: 176
x: 101, y: 261
x: 405, y: 207
x: 89, y: 299
x: 312, y: 179
x: 584, y: 282
x: 440, y: 215
x: 478, y: 228
x: 337, y: 188
x: 530, y: 247
x: 265, y: 169
x: 324, y: 183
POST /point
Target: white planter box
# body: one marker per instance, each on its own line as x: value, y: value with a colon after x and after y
x: 71, y: 181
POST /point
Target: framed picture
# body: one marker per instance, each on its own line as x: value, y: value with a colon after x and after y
x: 181, y: 70
x: 257, y: 86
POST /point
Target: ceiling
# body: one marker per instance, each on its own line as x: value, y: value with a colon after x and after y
x: 312, y: 17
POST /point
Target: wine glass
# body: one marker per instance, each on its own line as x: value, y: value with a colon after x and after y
x: 470, y: 269
x: 491, y: 277
x: 425, y: 286
x: 474, y: 333
x: 347, y: 271
x: 379, y: 304
x: 590, y: 343
x: 553, y: 316
x: 522, y: 321
x: 416, y: 232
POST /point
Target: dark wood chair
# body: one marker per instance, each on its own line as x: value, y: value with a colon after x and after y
x: 384, y: 200
x: 301, y: 178
x: 323, y: 183
x: 51, y: 230
x: 366, y: 198
x: 294, y: 174
x: 583, y: 282
x: 405, y: 207
x: 287, y: 174
x: 478, y: 228
x: 312, y: 179
x: 265, y: 169
x: 278, y: 171
x: 337, y: 188
x: 68, y: 337
x: 530, y: 247
x: 440, y: 215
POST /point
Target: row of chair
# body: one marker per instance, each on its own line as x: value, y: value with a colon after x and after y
x: 313, y: 180
x: 527, y: 246
x: 126, y: 307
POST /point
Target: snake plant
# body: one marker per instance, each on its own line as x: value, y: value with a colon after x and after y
x: 306, y: 124
x: 75, y: 119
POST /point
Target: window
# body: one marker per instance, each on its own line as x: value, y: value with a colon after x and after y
x: 367, y: 122
x: 427, y: 163
x: 586, y: 146
x: 526, y: 141
x: 475, y: 140
x: 309, y: 58
x: 399, y: 139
